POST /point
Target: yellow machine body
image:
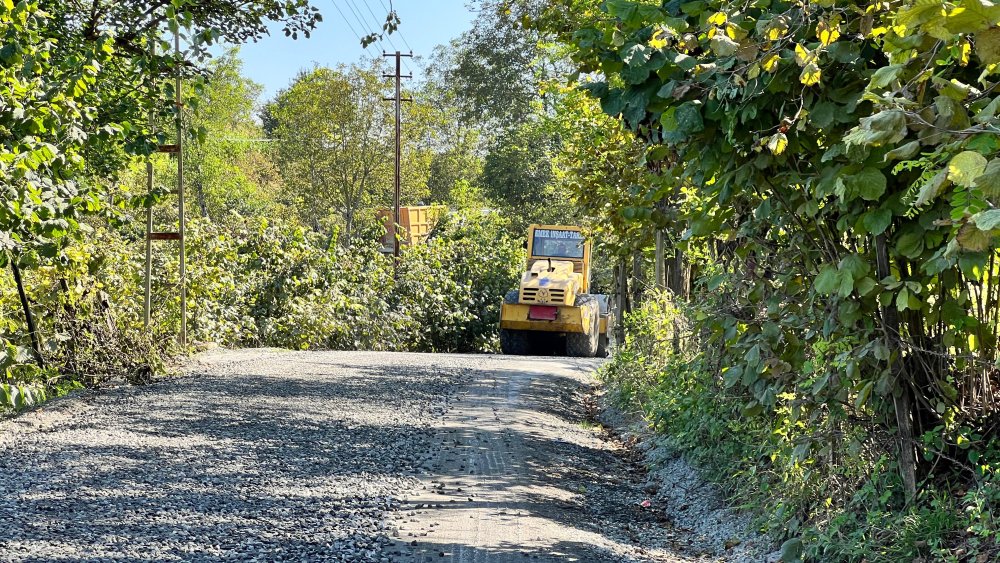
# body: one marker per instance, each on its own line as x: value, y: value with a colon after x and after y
x: 557, y: 272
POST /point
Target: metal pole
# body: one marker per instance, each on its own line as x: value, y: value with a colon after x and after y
x: 180, y: 188
x: 397, y: 189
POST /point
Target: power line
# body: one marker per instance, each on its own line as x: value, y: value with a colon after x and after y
x: 388, y: 36
x: 348, y: 22
x: 399, y: 31
x: 363, y: 22
x: 357, y: 17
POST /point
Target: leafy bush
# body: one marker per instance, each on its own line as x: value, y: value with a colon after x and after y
x: 842, y: 501
x: 452, y: 285
x: 252, y: 282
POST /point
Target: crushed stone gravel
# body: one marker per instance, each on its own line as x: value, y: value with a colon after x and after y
x: 267, y: 455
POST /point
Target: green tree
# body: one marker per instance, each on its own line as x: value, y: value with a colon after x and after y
x: 492, y: 69
x: 829, y: 166
x: 230, y: 168
x: 335, y: 138
x: 518, y: 174
x: 456, y: 143
x: 80, y: 87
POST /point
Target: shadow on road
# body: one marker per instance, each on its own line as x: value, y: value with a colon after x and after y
x: 307, y: 456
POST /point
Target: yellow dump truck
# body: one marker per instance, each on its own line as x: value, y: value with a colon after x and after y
x: 415, y: 222
x: 553, y: 303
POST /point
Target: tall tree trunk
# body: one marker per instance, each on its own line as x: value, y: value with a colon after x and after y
x: 676, y: 268
x: 658, y: 266
x: 622, y: 295
x: 901, y: 398
x: 637, y: 279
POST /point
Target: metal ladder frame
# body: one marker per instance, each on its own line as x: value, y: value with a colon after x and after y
x: 151, y: 235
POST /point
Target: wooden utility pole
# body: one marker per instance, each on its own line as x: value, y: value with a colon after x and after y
x: 181, y: 220
x: 398, y: 99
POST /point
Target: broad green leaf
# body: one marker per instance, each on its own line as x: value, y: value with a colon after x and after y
x: 828, y: 280
x: 919, y: 13
x: 903, y: 299
x: 689, y: 119
x: 988, y: 46
x: 987, y: 220
x: 932, y: 188
x: 864, y: 394
x: 846, y: 285
x: 971, y: 238
x: 753, y: 408
x: 989, y: 180
x: 855, y: 265
x: 965, y: 167
x: 822, y: 114
x: 885, y: 76
x: 791, y: 551
x: 886, y: 127
x: 732, y: 376
x: 868, y: 183
x: 903, y: 152
x: 18, y: 398
x: 988, y: 112
x: 723, y: 46
x: 632, y: 13
x: 910, y: 244
x: 951, y: 113
x: 820, y: 384
x: 865, y: 286
x: 877, y: 221
x: 952, y: 88
x: 972, y: 16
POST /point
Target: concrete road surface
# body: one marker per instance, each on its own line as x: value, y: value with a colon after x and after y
x: 330, y: 456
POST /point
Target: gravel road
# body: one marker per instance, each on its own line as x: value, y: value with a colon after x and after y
x: 331, y: 456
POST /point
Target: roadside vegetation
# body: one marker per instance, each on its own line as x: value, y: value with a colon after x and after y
x: 824, y: 176
x: 818, y: 330
x: 282, y: 238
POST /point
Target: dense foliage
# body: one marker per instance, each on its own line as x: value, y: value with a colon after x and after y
x: 828, y: 172
x: 284, y: 250
x: 258, y: 283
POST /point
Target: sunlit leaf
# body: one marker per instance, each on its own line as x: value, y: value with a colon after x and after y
x: 965, y: 167
x: 828, y: 31
x: 777, y: 143
x: 810, y: 75
x: 770, y: 63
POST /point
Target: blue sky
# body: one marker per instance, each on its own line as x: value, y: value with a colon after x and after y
x: 275, y: 60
